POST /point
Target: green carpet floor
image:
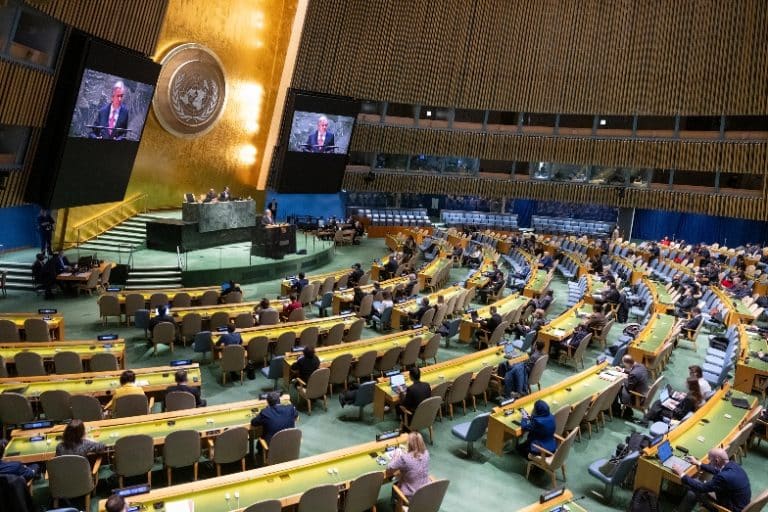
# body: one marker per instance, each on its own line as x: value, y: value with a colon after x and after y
x: 486, y: 482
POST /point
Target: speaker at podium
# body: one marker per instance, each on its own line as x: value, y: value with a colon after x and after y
x: 273, y: 240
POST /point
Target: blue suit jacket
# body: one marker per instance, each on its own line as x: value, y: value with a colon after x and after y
x: 121, y: 123
x: 275, y: 418
x: 730, y: 485
x: 330, y: 140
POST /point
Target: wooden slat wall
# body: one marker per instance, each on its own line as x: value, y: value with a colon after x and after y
x: 675, y: 200
x: 25, y: 92
x: 692, y: 57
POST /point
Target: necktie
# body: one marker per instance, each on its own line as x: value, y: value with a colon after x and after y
x: 112, y: 120
x: 320, y: 139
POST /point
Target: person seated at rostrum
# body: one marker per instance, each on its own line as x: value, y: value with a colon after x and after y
x: 356, y: 274
x: 414, y: 394
x: 229, y: 287
x: 424, y: 306
x: 27, y: 472
x: 181, y: 379
x: 493, y: 287
x: 488, y: 325
x: 162, y: 316
x: 299, y: 283
x: 293, y: 305
x: 597, y: 320
x: 231, y: 337
x: 263, y: 306
x: 637, y: 381
x: 685, y: 303
x: 540, y: 427
x: 542, y: 300
x: 473, y: 257
x: 689, y: 326
x: 546, y: 262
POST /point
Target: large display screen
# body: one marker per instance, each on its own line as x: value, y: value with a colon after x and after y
x: 314, y: 143
x: 110, y: 107
x: 94, y: 124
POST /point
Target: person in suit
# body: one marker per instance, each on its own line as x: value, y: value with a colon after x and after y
x: 321, y: 140
x: 572, y: 342
x: 210, y: 196
x: 112, y: 118
x: 355, y: 275
x: 597, y: 320
x: 181, y: 385
x: 516, y: 375
x: 546, y: 262
x: 274, y: 418
x: 416, y: 393
x: 162, y: 316
x: 232, y: 337
x: 637, y: 380
x: 541, y: 430
x: 225, y: 195
x: 306, y: 364
x: 45, y: 225
x: 689, y: 326
x: 488, y: 325
x: 267, y: 219
x: 423, y: 308
x: 300, y: 283
x: 62, y: 263
x: 729, y: 486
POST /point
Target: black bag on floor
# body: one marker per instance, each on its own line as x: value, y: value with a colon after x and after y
x: 250, y: 370
x: 644, y: 500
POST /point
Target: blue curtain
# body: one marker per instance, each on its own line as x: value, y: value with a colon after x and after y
x: 524, y: 208
x: 316, y: 205
x: 19, y: 227
x: 656, y: 224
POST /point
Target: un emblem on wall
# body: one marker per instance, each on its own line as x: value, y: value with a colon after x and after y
x: 191, y: 91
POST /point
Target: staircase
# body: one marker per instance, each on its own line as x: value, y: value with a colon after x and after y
x: 151, y: 278
x: 19, y: 275
x: 125, y: 237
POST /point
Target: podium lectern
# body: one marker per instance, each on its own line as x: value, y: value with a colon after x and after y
x: 273, y: 241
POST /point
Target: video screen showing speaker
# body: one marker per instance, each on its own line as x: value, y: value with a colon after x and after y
x: 315, y: 138
x: 110, y: 107
x: 95, y: 122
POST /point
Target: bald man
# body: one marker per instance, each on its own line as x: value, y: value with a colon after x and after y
x: 266, y: 219
x: 729, y: 486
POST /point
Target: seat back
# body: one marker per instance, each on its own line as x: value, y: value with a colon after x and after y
x: 3, y: 368
x: 365, y: 364
x: 56, y: 405
x: 410, y: 354
x: 103, y: 362
x: 651, y: 394
x: 15, y: 409
x: 477, y: 427
x: 181, y: 448
x: 232, y: 358
x: 430, y: 497
x: 328, y: 285
x: 364, y: 492
x: 164, y: 332
x: 437, y: 320
x: 561, y: 417
x: 757, y: 504
x: 430, y: 349
x: 219, y: 319
x: 459, y: 388
x: 355, y: 330
x: 297, y: 315
x: 179, y: 401
x: 29, y: 364
x: 425, y: 413
x: 366, y: 304
x: 85, y: 408
x: 8, y: 330
x: 191, y: 324
x: 335, y: 335
x: 364, y: 395
x: 624, y: 468
x: 389, y: 359
x: 427, y: 317
x: 230, y: 446
x: 69, y: 476
x: 309, y: 337
x: 340, y: 369
x: 67, y: 362
x: 284, y: 446
x: 285, y: 343
x: 131, y: 405
x: 182, y: 300
x: 258, y: 349
x: 538, y: 369
x: 244, y: 320
x: 265, y: 506
x: 232, y: 298
x: 133, y: 302
x: 306, y: 296
x: 481, y: 381
x: 134, y: 455
x: 209, y: 298
x: 563, y: 449
x: 323, y: 498
x: 269, y: 317
x: 36, y: 329
x: 109, y: 305
x: 157, y: 299
x: 577, y: 414
x: 318, y: 383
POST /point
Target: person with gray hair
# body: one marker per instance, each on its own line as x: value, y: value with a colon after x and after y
x: 321, y: 140
x: 112, y: 119
x: 728, y: 487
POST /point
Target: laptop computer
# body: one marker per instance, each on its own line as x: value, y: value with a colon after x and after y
x: 665, y: 397
x: 397, y: 382
x: 740, y: 402
x: 509, y: 351
x: 671, y: 461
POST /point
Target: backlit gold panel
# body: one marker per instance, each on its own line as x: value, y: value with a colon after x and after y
x: 250, y: 38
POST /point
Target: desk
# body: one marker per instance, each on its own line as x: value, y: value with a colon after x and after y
x: 208, y: 421
x: 432, y: 271
x: 503, y: 307
x: 274, y: 331
x: 588, y: 383
x: 563, y: 326
x: 47, y: 349
x: 441, y: 372
x: 55, y: 324
x: 403, y: 309
x: 273, y: 241
x: 718, y: 431
x: 285, y: 482
x: 342, y: 299
x: 285, y: 285
x: 479, y: 279
x: 357, y: 348
x: 538, y: 283
x: 737, y: 312
x: 154, y: 381
x: 220, y: 215
x: 751, y: 372
x: 663, y: 301
x: 84, y: 275
x: 649, y: 342
x: 232, y: 310
x: 195, y: 294
x: 553, y: 504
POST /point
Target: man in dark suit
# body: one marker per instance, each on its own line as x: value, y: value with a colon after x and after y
x: 162, y: 316
x: 45, y: 225
x: 306, y: 364
x: 416, y: 393
x: 729, y: 483
x: 275, y: 417
x: 423, y: 308
x: 225, y: 195
x: 321, y: 140
x: 181, y: 385
x: 487, y: 325
x: 112, y: 119
x: 637, y: 380
x: 231, y: 337
x: 690, y: 325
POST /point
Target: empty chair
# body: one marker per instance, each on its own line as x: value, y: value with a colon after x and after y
x: 363, y: 397
x: 324, y: 303
x: 179, y: 401
x: 67, y: 362
x: 285, y: 343
x: 228, y: 447
x: 103, y: 362
x: 14, y: 410
x: 472, y: 431
x: 8, y: 330
x: 203, y: 343
x: 258, y: 350
x: 163, y: 333
x: 551, y: 462
x: 284, y: 446
x: 244, y: 320
x: 297, y: 315
x: 339, y: 371
x: 410, y: 354
x: 158, y: 299
x: 181, y: 449
x: 364, y: 365
x: 269, y: 317
x: 191, y: 324
x: 323, y: 498
x: 315, y: 388
x: 274, y: 370
x: 109, y: 305
x: 232, y: 298
x: 355, y: 330
x: 36, y: 329
x: 479, y: 386
x: 219, y: 319
x: 209, y: 298
x: 232, y: 360
x: 309, y: 337
x: 133, y: 302
x: 620, y: 473
x: 363, y: 492
x: 425, y: 499
x: 134, y: 455
x: 3, y: 368
x: 56, y: 405
x: 141, y: 319
x: 534, y: 377
x: 335, y: 335
x: 29, y: 364
x: 366, y: 306
x: 576, y: 416
x: 86, y: 408
x: 429, y: 351
x: 182, y: 300
x: 131, y: 405
x: 389, y: 360
x: 423, y: 417
x: 265, y: 506
x: 561, y: 417
x: 457, y: 393
x: 71, y: 476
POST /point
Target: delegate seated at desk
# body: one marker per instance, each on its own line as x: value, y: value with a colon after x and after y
x: 181, y: 379
x: 275, y: 417
x: 127, y: 387
x: 729, y: 486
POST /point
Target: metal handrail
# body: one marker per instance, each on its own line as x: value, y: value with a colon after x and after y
x: 122, y: 208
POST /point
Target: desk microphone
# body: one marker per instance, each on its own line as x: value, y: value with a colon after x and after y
x: 574, y: 499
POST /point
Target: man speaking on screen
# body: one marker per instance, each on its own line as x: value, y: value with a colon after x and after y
x: 321, y: 140
x: 112, y: 120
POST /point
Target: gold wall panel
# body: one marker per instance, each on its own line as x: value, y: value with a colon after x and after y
x: 250, y: 38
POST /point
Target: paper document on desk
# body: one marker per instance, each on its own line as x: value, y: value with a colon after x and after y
x: 180, y: 506
x: 609, y: 375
